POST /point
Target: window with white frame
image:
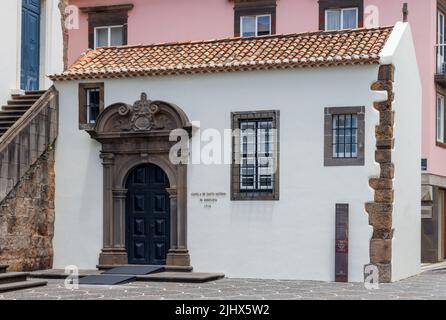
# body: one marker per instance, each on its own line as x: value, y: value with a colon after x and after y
x: 108, y: 36
x: 259, y: 25
x: 441, y: 44
x: 338, y: 19
x: 440, y: 118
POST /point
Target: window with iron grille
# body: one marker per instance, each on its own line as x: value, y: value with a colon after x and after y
x: 256, y: 150
x: 344, y: 136
x: 255, y: 155
x: 92, y: 96
x: 91, y: 104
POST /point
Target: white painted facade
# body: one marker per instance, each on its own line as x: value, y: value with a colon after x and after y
x: 51, y: 45
x: 293, y: 238
x: 406, y: 245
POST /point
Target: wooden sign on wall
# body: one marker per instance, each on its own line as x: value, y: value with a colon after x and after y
x: 341, y: 243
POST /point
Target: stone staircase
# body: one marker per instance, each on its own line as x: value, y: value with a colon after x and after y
x: 28, y: 130
x: 16, y: 108
x: 10, y: 281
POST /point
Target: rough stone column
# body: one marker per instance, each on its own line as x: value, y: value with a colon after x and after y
x: 112, y: 253
x: 381, y: 209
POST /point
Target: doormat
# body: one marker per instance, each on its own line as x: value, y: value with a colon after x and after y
x: 135, y: 270
x: 109, y: 280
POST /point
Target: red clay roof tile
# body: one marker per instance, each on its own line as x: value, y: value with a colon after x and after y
x: 347, y: 47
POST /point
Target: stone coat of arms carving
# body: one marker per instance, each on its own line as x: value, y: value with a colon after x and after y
x: 142, y: 115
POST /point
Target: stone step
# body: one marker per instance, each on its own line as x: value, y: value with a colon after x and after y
x: 22, y: 285
x: 26, y: 97
x: 3, y: 268
x: 60, y: 273
x: 7, y: 122
x: 166, y: 268
x: 7, y: 117
x: 40, y: 92
x: 186, y: 277
x: 10, y: 277
x: 22, y: 102
x: 13, y: 112
x: 16, y: 107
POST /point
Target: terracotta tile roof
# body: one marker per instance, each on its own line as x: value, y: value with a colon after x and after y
x: 357, y: 46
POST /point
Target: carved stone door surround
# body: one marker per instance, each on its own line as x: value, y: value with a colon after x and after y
x: 132, y: 135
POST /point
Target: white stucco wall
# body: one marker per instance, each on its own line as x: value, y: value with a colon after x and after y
x: 10, y: 20
x: 290, y: 238
x: 78, y: 201
x: 51, y: 48
x: 406, y: 255
x: 51, y: 53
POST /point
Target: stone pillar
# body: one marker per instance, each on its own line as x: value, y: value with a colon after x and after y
x: 113, y: 251
x: 173, y: 218
x: 119, y: 197
x: 178, y: 253
x: 381, y: 209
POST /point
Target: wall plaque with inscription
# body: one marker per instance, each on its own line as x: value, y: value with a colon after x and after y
x: 207, y: 199
x: 341, y: 243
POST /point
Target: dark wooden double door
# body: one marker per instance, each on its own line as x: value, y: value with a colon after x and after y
x: 147, y: 216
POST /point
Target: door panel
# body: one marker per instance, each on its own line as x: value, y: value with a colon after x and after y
x: 30, y: 51
x: 147, y: 216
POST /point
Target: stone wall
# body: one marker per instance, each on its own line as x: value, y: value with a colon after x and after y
x: 27, y: 219
x: 381, y: 209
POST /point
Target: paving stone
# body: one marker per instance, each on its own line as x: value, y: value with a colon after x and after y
x: 427, y: 286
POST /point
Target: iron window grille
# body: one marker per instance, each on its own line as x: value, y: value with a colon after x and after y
x: 256, y: 155
x: 345, y: 136
x: 92, y: 105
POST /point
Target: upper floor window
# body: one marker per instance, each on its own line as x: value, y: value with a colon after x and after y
x: 107, y: 25
x: 338, y: 19
x: 254, y: 18
x: 255, y: 25
x: 441, y: 43
x: 108, y: 36
x: 341, y: 14
x: 440, y: 119
x: 91, y: 103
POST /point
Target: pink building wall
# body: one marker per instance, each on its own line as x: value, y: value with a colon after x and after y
x: 155, y: 21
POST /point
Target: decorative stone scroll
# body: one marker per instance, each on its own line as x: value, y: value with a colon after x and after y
x: 143, y: 116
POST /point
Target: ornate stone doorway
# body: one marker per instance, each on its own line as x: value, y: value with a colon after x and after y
x: 132, y: 136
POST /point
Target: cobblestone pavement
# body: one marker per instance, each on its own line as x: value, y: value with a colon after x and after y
x: 429, y: 285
